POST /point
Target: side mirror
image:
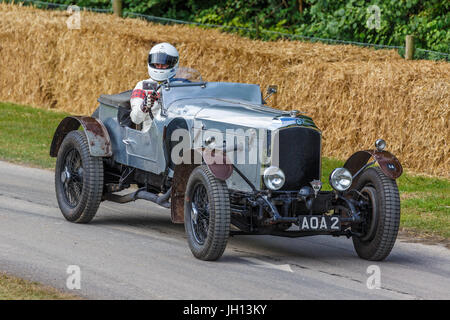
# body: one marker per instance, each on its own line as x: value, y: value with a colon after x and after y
x: 270, y: 91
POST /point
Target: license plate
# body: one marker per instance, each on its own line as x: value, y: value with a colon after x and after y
x: 319, y: 223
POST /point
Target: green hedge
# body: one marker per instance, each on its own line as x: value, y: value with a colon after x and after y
x: 428, y: 20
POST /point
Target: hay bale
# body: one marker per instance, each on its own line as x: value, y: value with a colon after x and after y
x: 354, y: 94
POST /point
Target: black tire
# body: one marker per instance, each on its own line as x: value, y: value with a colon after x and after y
x: 203, y: 187
x: 384, y: 215
x: 76, y: 169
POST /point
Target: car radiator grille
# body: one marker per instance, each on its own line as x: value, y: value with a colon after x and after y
x: 299, y: 151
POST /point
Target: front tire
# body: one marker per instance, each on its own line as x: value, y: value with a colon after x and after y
x: 382, y: 215
x: 78, y: 179
x: 206, y: 214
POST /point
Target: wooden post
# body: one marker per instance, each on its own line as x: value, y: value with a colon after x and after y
x: 117, y: 7
x: 409, y: 47
x: 257, y: 27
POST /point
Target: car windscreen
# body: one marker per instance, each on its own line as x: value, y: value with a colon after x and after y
x: 250, y: 93
x: 188, y: 74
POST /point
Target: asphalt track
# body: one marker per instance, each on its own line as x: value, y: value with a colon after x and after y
x: 133, y: 251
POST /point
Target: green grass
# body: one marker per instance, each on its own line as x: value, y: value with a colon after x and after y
x: 429, y: 211
x: 328, y: 164
x: 12, y: 288
x: 26, y: 134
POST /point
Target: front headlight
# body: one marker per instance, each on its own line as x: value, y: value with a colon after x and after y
x: 274, y: 178
x: 341, y: 179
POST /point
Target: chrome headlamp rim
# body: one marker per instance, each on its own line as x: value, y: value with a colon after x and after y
x: 340, y: 179
x: 380, y: 144
x: 270, y: 174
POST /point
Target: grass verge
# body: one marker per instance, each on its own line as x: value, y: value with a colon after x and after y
x: 26, y: 134
x: 12, y: 288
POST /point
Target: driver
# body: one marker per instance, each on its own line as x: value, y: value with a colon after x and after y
x: 162, y: 65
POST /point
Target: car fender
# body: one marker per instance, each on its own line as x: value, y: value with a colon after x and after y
x: 98, y: 138
x: 388, y: 163
x: 216, y: 161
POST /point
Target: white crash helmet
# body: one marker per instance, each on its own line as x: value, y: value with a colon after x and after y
x: 166, y: 54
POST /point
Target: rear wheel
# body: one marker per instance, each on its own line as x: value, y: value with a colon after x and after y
x: 382, y: 215
x: 206, y: 214
x: 78, y: 179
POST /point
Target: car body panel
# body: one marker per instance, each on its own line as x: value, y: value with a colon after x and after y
x: 211, y: 108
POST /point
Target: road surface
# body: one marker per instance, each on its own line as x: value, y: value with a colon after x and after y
x: 133, y: 251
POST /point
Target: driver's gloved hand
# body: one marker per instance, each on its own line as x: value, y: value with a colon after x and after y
x: 153, y: 97
x: 144, y: 108
x: 149, y: 100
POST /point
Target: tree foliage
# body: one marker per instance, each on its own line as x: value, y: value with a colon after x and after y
x: 428, y: 21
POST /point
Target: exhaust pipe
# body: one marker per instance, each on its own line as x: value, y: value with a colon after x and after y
x: 141, y: 194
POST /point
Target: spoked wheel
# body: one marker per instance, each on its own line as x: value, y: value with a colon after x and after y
x: 368, y: 228
x: 78, y: 179
x: 206, y: 214
x: 72, y: 178
x: 200, y: 214
x: 381, y: 214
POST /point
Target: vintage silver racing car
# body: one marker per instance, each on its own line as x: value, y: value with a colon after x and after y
x: 225, y: 163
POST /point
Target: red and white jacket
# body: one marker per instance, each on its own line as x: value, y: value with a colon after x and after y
x: 143, y: 90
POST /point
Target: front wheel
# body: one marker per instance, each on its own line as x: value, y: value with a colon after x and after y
x: 206, y: 214
x: 382, y: 215
x: 78, y: 179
